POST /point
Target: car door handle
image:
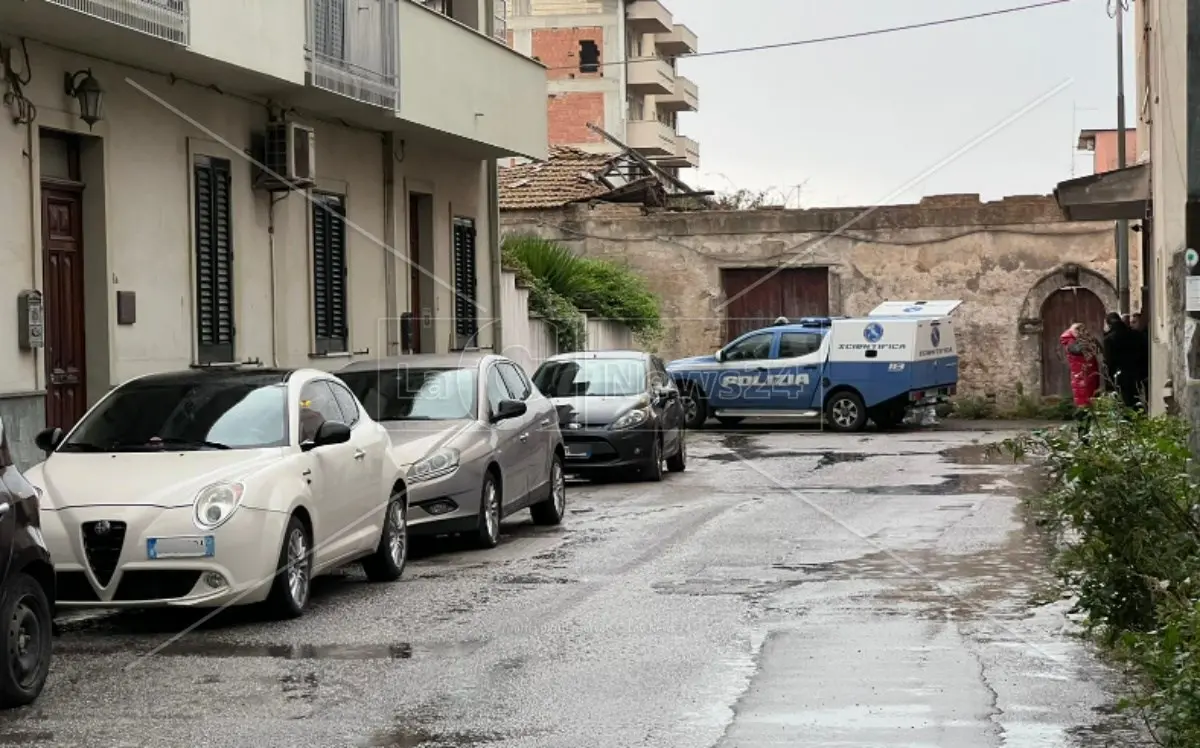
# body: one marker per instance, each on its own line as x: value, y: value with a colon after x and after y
x: 524, y: 437
x: 359, y: 454
x: 545, y: 421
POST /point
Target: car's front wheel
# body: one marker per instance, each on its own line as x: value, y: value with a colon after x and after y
x: 677, y: 462
x: 652, y: 469
x: 386, y: 564
x: 695, y: 409
x: 293, y: 578
x: 488, y: 533
x: 27, y: 627
x: 551, y: 511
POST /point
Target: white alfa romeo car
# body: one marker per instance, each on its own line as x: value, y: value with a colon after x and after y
x: 205, y: 488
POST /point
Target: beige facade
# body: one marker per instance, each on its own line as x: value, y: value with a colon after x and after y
x: 1004, y: 259
x: 409, y: 166
x: 1162, y: 130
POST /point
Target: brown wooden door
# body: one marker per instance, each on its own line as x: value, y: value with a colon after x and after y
x: 414, y: 269
x: 66, y: 350
x: 755, y: 297
x: 1062, y: 309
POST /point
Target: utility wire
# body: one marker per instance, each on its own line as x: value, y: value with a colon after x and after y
x: 843, y: 37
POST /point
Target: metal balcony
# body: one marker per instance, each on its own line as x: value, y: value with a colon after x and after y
x: 648, y: 17
x: 685, y: 97
x: 679, y: 41
x: 169, y: 20
x: 352, y: 49
x: 651, y: 75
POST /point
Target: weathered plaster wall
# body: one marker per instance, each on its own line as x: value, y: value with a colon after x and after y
x: 1002, y: 258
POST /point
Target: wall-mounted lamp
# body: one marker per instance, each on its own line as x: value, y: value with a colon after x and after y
x: 89, y: 94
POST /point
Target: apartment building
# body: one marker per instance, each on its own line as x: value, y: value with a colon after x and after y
x: 613, y: 64
x: 142, y: 232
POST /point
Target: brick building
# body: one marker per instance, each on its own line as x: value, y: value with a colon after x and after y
x: 613, y: 64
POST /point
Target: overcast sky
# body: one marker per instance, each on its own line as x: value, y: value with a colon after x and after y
x: 855, y: 121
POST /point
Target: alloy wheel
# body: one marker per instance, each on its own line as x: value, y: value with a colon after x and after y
x: 558, y: 486
x: 25, y: 638
x: 297, y: 569
x: 397, y: 533
x: 690, y: 408
x: 491, y: 500
x: 845, y: 413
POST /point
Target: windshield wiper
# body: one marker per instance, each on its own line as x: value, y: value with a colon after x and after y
x: 172, y: 440
x: 191, y: 442
x: 81, y: 447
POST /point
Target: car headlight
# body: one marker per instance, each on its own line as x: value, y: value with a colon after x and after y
x: 439, y: 464
x: 633, y: 418
x: 215, y: 504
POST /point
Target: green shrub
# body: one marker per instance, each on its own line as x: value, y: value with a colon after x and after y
x: 974, y: 408
x: 1123, y: 507
x: 562, y: 283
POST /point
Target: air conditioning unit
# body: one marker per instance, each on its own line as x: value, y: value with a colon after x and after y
x: 290, y: 157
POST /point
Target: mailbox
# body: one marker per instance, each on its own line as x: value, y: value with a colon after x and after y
x: 31, y: 320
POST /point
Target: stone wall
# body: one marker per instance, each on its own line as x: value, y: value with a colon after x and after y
x: 1002, y: 258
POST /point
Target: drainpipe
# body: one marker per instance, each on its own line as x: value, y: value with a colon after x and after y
x: 35, y: 240
x: 389, y: 254
x: 493, y: 192
x: 275, y: 199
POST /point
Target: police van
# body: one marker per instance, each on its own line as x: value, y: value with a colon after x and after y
x: 846, y: 370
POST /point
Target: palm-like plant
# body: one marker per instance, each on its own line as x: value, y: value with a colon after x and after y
x: 550, y: 262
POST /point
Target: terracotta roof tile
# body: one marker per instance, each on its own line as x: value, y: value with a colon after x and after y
x: 569, y: 174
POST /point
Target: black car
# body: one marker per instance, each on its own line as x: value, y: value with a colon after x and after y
x: 619, y: 412
x: 26, y: 587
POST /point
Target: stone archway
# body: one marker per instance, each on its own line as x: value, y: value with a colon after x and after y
x: 1031, y: 331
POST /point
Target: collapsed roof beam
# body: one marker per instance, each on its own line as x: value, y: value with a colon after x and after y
x: 654, y: 168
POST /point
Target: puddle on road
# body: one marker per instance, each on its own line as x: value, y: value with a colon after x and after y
x: 230, y: 650
x: 414, y: 736
x: 400, y: 651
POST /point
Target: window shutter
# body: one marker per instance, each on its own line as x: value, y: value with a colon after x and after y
x: 329, y: 30
x: 466, y: 323
x: 214, y: 261
x: 330, y: 328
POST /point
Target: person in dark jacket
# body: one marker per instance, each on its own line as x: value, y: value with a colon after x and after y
x: 1121, y: 348
x: 1138, y: 325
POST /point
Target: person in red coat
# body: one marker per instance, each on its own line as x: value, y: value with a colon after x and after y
x: 1083, y: 356
x: 1084, y: 359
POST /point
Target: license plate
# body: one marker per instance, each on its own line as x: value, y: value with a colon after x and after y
x: 191, y: 546
x: 578, y: 453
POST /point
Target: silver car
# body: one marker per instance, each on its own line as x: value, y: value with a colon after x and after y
x: 474, y: 437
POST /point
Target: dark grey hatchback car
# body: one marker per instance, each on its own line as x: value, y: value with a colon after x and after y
x: 619, y: 412
x: 26, y: 587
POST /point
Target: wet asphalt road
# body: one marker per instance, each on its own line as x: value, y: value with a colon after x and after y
x: 789, y: 589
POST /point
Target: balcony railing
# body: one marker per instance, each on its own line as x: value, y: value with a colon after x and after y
x: 468, y: 15
x: 353, y: 49
x: 651, y: 75
x: 169, y: 20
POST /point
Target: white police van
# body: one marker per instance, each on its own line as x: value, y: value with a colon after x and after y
x: 847, y: 370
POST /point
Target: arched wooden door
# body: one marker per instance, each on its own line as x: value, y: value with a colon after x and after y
x: 1061, y: 309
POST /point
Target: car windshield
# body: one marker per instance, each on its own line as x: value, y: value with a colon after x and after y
x: 218, y: 414
x: 593, y: 377
x: 415, y: 394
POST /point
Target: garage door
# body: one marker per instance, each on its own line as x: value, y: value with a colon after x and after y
x: 755, y: 297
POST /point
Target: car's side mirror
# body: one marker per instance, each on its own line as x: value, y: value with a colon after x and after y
x: 719, y: 356
x: 509, y: 409
x: 330, y: 432
x: 48, y: 440
x: 665, y: 394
